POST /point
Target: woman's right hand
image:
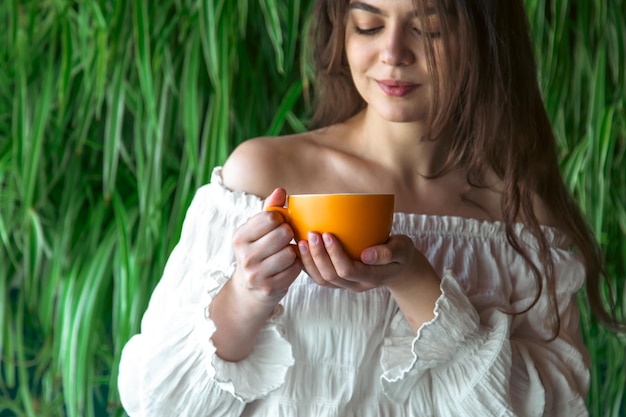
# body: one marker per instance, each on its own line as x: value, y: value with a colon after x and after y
x: 267, y: 263
x: 266, y: 266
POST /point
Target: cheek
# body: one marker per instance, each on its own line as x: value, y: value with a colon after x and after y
x: 448, y: 67
x: 359, y: 53
x: 354, y: 61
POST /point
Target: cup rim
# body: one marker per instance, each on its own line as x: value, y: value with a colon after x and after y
x: 343, y: 194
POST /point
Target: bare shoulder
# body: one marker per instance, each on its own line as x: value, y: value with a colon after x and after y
x: 545, y: 215
x: 488, y: 198
x: 258, y: 166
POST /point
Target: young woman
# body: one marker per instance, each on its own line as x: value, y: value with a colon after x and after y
x: 469, y: 309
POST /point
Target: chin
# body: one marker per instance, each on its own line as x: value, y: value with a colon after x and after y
x: 400, y: 112
x: 403, y: 117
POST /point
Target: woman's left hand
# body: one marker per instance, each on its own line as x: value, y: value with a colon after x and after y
x: 388, y: 264
x: 396, y: 264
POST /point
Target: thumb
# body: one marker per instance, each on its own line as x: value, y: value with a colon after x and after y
x: 277, y: 198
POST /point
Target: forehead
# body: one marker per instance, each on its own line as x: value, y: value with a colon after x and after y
x: 415, y: 8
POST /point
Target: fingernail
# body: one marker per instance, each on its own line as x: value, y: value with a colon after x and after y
x: 368, y: 256
x: 313, y: 240
x: 327, y: 239
x: 302, y: 247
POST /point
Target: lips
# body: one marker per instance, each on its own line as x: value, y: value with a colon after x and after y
x: 397, y: 88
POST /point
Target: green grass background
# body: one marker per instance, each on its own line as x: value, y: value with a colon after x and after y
x: 112, y: 112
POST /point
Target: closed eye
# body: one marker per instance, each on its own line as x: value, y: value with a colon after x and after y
x: 429, y: 34
x: 370, y: 31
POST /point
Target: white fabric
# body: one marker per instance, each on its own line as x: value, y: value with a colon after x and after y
x: 338, y: 353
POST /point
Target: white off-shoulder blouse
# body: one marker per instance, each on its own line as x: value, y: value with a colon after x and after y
x: 331, y: 352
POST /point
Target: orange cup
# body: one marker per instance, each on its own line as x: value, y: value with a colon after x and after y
x: 357, y: 220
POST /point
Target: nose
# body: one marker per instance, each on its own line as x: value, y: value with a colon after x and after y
x: 396, y: 49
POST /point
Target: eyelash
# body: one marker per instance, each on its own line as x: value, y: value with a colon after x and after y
x: 428, y: 34
x: 373, y: 31
x: 366, y: 32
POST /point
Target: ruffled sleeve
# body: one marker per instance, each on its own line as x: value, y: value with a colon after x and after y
x: 452, y: 362
x: 170, y: 368
x: 475, y: 359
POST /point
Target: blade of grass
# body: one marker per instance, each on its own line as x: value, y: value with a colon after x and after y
x: 113, y: 130
x: 22, y: 366
x: 287, y: 104
x: 272, y: 22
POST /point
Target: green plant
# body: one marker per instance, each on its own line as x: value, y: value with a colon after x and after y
x: 581, y: 51
x: 112, y: 113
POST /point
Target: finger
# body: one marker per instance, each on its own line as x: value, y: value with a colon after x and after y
x: 286, y: 266
x: 343, y: 265
x: 351, y: 274
x: 253, y: 252
x: 275, y: 268
x: 397, y: 249
x: 273, y: 277
x: 320, y: 246
x: 309, y: 265
x: 257, y: 226
x: 285, y: 278
x: 277, y: 198
x: 273, y: 241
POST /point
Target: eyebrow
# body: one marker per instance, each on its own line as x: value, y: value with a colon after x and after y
x: 359, y: 5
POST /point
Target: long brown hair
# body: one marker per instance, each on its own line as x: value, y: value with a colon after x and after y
x: 489, y: 103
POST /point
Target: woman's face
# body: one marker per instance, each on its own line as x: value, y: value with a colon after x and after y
x: 386, y: 52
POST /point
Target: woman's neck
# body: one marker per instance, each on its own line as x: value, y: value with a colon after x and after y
x: 399, y: 146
